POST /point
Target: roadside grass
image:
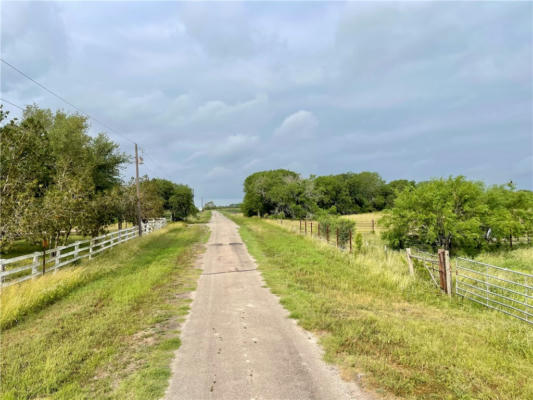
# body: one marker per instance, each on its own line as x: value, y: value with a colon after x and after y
x: 106, y: 329
x: 202, y: 217
x: 405, y: 338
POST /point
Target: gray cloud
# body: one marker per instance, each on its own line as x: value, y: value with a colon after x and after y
x: 214, y: 92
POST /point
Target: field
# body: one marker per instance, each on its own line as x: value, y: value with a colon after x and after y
x: 106, y: 329
x: 394, y: 333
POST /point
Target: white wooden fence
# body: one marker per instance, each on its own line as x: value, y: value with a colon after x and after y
x: 31, y: 265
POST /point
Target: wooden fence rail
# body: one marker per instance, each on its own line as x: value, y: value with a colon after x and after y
x: 38, y: 263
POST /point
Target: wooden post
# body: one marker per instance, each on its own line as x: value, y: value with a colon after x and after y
x: 2, y: 269
x: 442, y: 271
x: 58, y: 259
x: 327, y: 233
x: 300, y: 225
x: 448, y: 270
x: 373, y: 227
x: 91, y: 244
x: 35, y: 264
x: 311, y: 228
x: 350, y: 240
x: 409, y: 261
x: 76, y: 249
x: 337, y: 237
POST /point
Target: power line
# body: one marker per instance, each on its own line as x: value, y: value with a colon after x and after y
x: 53, y: 93
x: 11, y: 103
x: 64, y: 100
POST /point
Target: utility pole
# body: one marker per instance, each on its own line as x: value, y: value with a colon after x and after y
x: 139, y: 222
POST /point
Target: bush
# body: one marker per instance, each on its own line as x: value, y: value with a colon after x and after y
x: 333, y: 222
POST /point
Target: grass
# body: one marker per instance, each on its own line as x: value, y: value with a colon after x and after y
x: 202, y: 217
x: 519, y: 260
x: 363, y: 222
x: 104, y: 330
x: 374, y: 319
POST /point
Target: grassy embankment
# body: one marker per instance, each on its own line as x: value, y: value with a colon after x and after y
x: 373, y: 318
x: 104, y: 329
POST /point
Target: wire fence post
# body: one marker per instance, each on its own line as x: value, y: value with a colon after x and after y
x: 373, y: 226
x: 327, y: 233
x: 410, y: 261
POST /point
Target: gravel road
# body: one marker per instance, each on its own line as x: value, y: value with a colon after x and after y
x: 238, y: 342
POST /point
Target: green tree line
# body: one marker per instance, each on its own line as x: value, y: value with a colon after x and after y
x: 285, y: 193
x: 56, y: 179
x: 454, y: 213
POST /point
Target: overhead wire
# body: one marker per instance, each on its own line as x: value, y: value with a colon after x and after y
x: 58, y: 96
x: 11, y: 103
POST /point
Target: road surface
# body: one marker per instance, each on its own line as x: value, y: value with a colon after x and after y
x: 238, y: 342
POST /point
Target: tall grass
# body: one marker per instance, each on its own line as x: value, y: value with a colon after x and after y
x: 398, y: 331
x: 104, y: 330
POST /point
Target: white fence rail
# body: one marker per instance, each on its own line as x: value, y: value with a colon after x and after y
x: 18, y: 269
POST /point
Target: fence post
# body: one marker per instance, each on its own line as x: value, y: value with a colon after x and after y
x: 305, y: 223
x: 350, y: 240
x: 58, y: 255
x: 448, y: 270
x: 337, y: 237
x: 311, y: 228
x: 442, y: 270
x: 76, y: 249
x: 91, y: 244
x: 318, y: 226
x: 373, y: 226
x: 327, y: 233
x: 35, y: 264
x: 300, y: 225
x: 409, y: 261
x: 2, y: 268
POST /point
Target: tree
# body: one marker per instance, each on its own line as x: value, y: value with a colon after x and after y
x: 439, y: 213
x: 182, y: 203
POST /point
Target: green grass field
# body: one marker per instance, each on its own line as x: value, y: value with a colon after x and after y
x: 106, y: 329
x: 407, y: 339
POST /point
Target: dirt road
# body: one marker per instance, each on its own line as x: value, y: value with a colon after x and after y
x: 239, y: 343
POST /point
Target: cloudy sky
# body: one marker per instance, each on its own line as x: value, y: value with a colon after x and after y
x: 215, y: 91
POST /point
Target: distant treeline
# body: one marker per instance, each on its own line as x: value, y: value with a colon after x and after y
x: 55, y: 178
x: 285, y: 193
x: 454, y: 213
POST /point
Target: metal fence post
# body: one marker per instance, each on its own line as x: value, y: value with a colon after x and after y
x: 410, y: 261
